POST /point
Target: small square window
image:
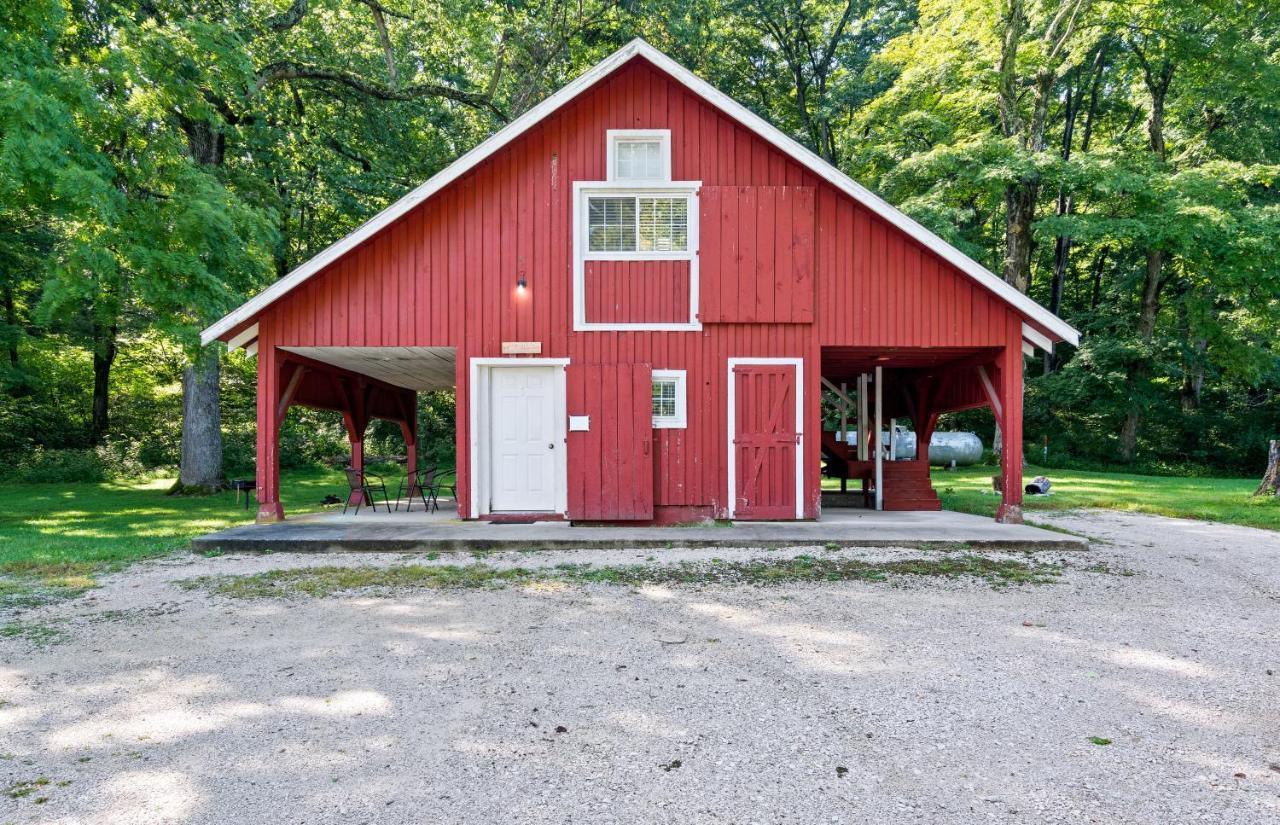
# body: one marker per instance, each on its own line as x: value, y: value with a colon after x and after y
x: 668, y: 399
x: 638, y: 160
x: 639, y: 154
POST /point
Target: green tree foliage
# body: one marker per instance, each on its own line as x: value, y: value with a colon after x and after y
x: 162, y: 160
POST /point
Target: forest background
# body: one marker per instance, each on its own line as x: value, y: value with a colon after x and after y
x: 162, y: 160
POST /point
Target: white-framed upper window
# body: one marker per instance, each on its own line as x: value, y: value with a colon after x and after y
x: 669, y: 399
x: 644, y: 223
x: 642, y: 155
x: 637, y: 213
x: 634, y: 222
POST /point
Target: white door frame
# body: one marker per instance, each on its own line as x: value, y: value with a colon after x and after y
x: 480, y: 418
x: 798, y: 363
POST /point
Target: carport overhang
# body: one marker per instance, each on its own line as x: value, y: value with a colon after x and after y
x: 360, y: 383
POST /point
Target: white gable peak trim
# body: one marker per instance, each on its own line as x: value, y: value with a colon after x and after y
x: 735, y: 110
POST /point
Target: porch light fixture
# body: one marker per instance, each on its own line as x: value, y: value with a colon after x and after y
x: 520, y: 284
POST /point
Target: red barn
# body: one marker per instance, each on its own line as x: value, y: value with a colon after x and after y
x: 640, y: 290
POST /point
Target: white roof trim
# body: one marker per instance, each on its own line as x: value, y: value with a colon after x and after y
x: 639, y: 48
x: 249, y: 333
x: 1037, y: 338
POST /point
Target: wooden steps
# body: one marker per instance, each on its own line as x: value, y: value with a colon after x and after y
x: 907, y: 486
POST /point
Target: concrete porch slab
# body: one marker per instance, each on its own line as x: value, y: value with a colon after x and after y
x: 419, y: 531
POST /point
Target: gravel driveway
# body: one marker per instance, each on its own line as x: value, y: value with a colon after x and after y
x: 919, y: 699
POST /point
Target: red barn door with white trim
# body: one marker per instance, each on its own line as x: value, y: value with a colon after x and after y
x: 611, y: 461
x: 766, y: 441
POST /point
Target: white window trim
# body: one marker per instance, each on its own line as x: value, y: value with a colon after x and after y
x: 478, y: 412
x: 584, y: 188
x: 616, y: 135
x: 731, y: 465
x: 680, y: 420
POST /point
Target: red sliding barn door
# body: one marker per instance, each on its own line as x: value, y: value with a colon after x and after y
x: 756, y: 257
x: 766, y: 441
x: 611, y: 462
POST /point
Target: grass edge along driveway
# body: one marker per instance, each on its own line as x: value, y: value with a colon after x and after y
x: 1227, y: 500
x: 55, y: 538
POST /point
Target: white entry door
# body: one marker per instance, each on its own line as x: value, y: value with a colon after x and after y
x: 523, y: 432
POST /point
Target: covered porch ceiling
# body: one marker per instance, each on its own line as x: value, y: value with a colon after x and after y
x: 847, y: 363
x: 414, y: 368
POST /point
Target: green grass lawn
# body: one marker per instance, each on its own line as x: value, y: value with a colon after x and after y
x: 1230, y: 500
x: 55, y: 537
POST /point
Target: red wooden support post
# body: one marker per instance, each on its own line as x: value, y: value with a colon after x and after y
x: 925, y: 419
x: 356, y: 421
x: 925, y: 436
x: 409, y: 429
x: 268, y: 470
x: 1010, y: 389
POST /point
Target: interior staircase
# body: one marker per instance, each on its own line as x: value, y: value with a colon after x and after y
x: 907, y: 485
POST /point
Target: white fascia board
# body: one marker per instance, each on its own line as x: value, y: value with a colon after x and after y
x: 249, y: 333
x: 1035, y: 337
x: 752, y: 121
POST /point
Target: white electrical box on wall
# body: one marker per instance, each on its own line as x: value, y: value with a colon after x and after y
x: 579, y: 423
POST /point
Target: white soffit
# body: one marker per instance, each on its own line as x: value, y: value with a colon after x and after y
x: 639, y: 48
x: 415, y: 368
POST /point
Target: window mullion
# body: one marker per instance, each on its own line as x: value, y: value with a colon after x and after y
x: 637, y: 212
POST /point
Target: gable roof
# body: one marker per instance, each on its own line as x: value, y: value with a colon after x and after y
x: 247, y: 311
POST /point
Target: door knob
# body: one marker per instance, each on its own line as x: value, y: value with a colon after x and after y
x: 551, y: 446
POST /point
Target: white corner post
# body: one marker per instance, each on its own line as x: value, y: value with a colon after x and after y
x: 879, y: 446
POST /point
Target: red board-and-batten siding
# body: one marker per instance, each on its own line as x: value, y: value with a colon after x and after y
x: 636, y: 292
x: 445, y: 275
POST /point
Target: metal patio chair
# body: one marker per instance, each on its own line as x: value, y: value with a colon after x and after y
x: 426, y: 484
x: 366, y: 484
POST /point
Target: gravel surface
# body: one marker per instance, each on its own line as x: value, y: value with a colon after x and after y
x: 916, y: 700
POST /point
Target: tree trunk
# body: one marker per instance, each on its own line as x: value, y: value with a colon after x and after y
x: 1066, y: 205
x: 1020, y: 209
x: 1270, y: 485
x: 1061, y: 259
x: 11, y: 318
x: 1140, y: 369
x: 1193, y: 378
x: 1095, y: 291
x: 1129, y: 433
x: 104, y: 355
x: 1020, y: 196
x: 201, y: 470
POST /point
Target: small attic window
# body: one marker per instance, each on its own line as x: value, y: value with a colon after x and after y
x: 639, y: 155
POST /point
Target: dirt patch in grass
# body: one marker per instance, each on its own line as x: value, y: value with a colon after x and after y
x: 327, y: 581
